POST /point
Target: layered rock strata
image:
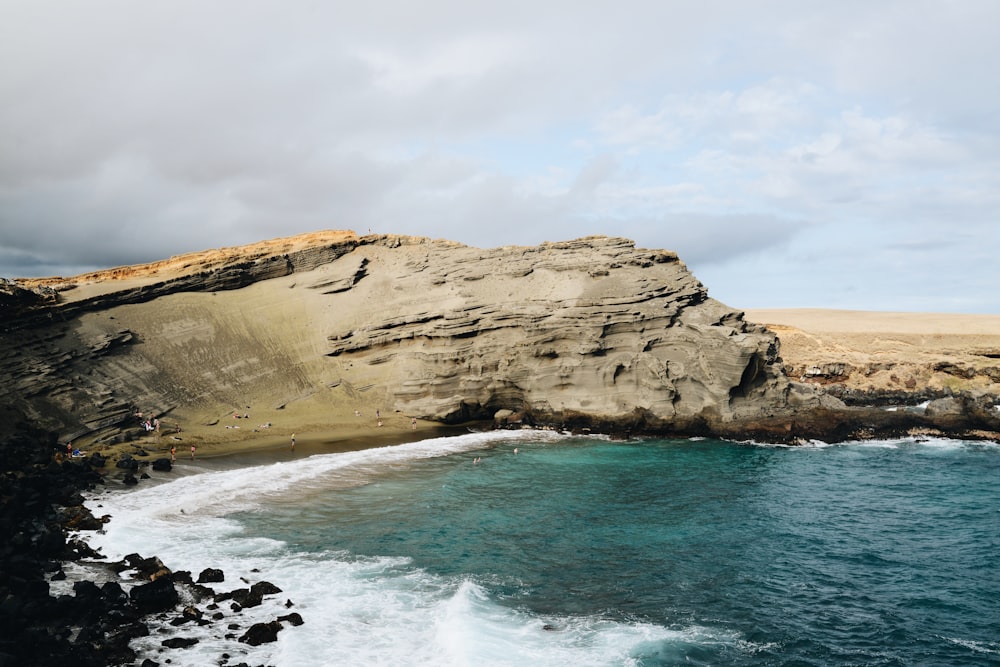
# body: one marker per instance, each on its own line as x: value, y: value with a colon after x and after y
x: 592, y: 333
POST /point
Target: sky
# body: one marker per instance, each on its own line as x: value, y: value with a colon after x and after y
x: 793, y: 153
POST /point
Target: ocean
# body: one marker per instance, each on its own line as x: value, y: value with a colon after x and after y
x: 539, y: 548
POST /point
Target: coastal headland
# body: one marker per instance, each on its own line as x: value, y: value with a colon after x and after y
x: 332, y: 335
x: 333, y: 341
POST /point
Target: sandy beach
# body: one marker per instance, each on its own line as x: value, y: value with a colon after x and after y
x: 251, y: 445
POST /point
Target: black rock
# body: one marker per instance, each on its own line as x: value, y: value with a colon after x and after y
x: 261, y: 633
x: 126, y: 462
x: 294, y: 618
x: 179, y: 642
x: 157, y: 595
x: 162, y: 465
x: 264, y: 588
x: 210, y: 576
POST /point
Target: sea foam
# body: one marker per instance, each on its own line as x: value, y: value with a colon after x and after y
x: 357, y: 610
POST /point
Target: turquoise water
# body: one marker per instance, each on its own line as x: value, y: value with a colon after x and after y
x: 586, y: 552
x: 876, y: 554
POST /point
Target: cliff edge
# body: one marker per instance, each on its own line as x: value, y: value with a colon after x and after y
x: 591, y: 333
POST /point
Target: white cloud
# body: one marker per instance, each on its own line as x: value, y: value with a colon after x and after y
x: 819, y: 145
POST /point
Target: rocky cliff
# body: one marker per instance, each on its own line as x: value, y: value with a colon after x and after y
x: 592, y: 333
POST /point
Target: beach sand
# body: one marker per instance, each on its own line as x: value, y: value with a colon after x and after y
x: 317, y: 430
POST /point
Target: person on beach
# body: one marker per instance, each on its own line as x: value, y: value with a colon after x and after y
x: 192, y: 452
x: 293, y: 442
x: 173, y: 454
x: 413, y: 423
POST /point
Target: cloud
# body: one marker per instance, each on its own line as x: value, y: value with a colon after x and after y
x: 735, y: 134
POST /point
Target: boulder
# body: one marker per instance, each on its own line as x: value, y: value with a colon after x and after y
x: 126, y: 462
x: 264, y: 588
x: 179, y: 642
x: 211, y: 575
x: 157, y: 595
x: 940, y: 407
x: 294, y: 618
x: 261, y: 633
x: 162, y: 465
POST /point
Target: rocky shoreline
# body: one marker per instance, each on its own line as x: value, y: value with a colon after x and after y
x: 383, y: 336
x: 42, y: 507
x: 42, y: 510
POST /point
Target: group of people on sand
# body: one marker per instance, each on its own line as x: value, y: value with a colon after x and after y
x: 151, y: 424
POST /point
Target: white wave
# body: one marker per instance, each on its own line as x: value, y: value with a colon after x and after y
x: 370, y: 610
x: 222, y: 492
x: 916, y: 443
x: 987, y: 647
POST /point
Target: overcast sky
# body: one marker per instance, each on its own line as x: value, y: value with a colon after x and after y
x: 795, y: 154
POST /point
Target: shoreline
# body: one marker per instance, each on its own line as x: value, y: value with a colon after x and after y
x: 73, y: 604
x: 341, y: 432
x: 235, y: 455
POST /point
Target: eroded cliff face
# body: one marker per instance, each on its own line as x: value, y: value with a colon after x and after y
x: 593, y: 329
x: 592, y: 332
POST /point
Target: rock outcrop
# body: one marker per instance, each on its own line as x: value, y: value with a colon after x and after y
x: 592, y: 333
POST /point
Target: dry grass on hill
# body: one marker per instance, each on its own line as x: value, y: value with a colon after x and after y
x: 884, y: 350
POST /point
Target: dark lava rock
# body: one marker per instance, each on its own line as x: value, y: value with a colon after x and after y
x: 179, y: 642
x: 146, y: 568
x: 157, y: 595
x: 261, y: 633
x: 264, y: 588
x: 210, y: 576
x: 126, y: 462
x: 294, y: 618
x: 162, y: 465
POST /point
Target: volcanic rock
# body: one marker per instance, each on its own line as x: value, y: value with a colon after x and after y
x: 162, y: 465
x: 261, y: 633
x: 211, y: 575
x: 157, y: 595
